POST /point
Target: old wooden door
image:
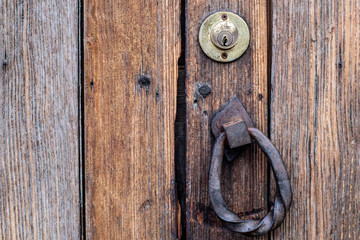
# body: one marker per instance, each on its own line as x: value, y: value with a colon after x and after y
x: 106, y: 108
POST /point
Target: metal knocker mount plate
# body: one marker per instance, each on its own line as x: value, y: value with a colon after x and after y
x: 234, y: 125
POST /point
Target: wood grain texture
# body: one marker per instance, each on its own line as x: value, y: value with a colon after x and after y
x: 131, y: 54
x: 39, y: 150
x: 245, y: 179
x: 315, y: 107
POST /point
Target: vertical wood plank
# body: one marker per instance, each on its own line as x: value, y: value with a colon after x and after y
x: 131, y: 54
x: 315, y: 115
x: 39, y: 150
x: 245, y: 179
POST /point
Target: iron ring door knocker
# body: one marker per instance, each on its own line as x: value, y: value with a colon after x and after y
x: 234, y: 125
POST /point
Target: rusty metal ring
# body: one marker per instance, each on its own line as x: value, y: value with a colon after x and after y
x: 283, y: 196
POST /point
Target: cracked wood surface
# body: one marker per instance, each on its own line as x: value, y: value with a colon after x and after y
x: 131, y: 54
x: 315, y: 108
x: 245, y: 179
x: 39, y: 135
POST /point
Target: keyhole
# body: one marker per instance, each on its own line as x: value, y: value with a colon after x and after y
x: 225, y: 40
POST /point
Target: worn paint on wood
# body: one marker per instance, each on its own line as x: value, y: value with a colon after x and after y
x: 315, y: 116
x: 245, y: 179
x: 39, y: 150
x: 131, y: 54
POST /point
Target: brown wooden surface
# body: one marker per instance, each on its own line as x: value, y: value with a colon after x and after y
x: 39, y: 150
x: 315, y: 116
x: 131, y: 54
x: 245, y: 179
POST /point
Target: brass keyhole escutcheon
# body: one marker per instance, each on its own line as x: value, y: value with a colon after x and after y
x: 224, y: 36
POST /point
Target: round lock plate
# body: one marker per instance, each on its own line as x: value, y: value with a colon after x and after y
x: 224, y: 36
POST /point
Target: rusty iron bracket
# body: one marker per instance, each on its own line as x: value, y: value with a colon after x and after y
x: 234, y: 120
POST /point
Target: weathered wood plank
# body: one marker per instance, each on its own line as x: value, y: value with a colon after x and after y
x: 131, y: 54
x: 245, y: 179
x: 39, y: 150
x: 315, y: 116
